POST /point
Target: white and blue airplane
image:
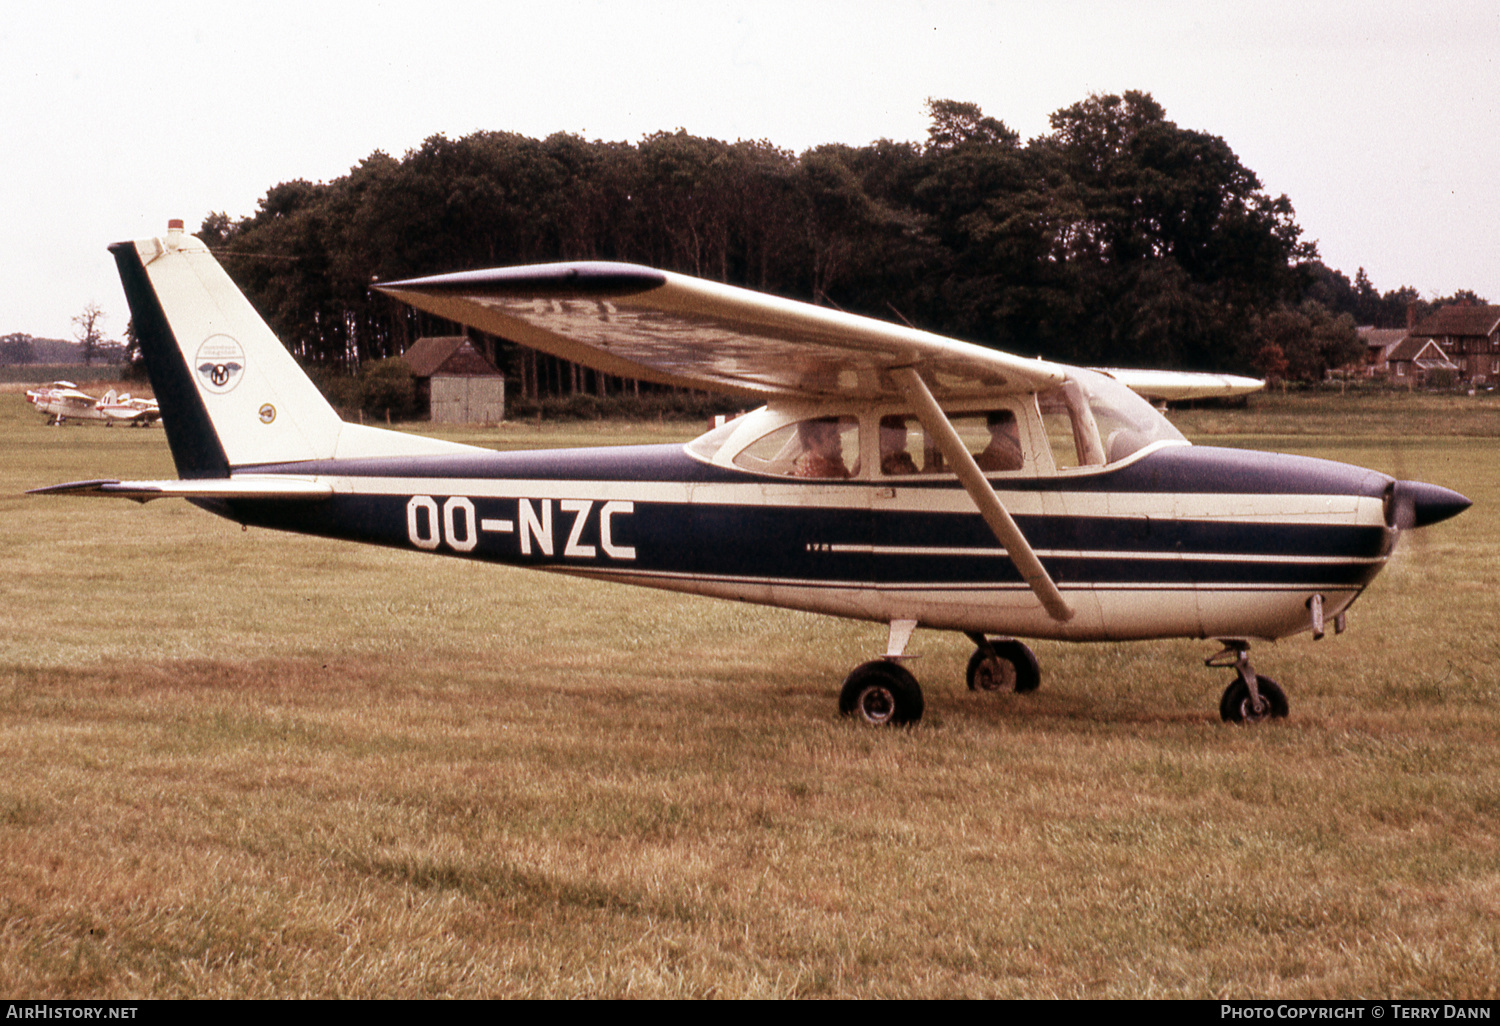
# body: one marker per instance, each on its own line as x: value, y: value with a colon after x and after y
x: 891, y: 475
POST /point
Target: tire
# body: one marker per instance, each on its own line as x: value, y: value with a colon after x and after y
x: 883, y: 694
x: 1014, y: 668
x: 1234, y: 707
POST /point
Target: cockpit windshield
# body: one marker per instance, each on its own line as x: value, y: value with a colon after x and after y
x: 1127, y: 423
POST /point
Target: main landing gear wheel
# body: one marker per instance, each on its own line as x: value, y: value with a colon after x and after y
x: 1236, y: 707
x: 1003, y: 664
x: 1250, y: 697
x: 882, y: 693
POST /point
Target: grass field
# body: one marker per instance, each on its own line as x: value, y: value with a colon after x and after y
x: 243, y: 764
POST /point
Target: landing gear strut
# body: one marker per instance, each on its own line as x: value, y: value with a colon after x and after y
x: 1250, y: 697
x: 882, y: 692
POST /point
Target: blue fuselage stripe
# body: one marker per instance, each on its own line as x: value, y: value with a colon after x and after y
x: 851, y: 544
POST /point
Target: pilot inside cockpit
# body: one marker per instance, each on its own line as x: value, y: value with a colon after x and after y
x: 1004, y: 450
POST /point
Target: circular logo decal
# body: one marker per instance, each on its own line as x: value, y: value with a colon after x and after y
x: 267, y: 413
x: 220, y: 363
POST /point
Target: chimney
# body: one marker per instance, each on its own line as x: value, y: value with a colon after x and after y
x: 1411, y: 316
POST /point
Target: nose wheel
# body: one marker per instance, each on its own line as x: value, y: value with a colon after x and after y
x: 1250, y: 697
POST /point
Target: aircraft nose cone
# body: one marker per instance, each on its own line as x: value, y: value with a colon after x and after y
x: 1415, y: 504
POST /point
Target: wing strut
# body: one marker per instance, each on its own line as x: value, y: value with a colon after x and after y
x: 962, y: 461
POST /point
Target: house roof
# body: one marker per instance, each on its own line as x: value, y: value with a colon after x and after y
x: 447, y: 354
x: 1460, y: 320
x: 1408, y: 348
x: 1381, y: 338
x: 1423, y: 350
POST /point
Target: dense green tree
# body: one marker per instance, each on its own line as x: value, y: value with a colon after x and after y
x: 1117, y: 237
x: 16, y: 348
x: 1310, y: 339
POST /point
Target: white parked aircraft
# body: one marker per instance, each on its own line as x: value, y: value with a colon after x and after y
x: 125, y: 409
x: 62, y: 401
x: 892, y: 475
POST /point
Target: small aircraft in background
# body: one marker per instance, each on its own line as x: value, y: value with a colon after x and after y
x: 63, y: 401
x: 891, y: 475
x: 125, y: 409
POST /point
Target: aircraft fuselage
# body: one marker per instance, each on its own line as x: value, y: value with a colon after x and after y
x: 1181, y: 541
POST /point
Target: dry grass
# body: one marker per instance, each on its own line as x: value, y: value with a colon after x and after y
x: 249, y: 764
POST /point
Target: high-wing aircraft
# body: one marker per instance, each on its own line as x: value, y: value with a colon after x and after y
x: 890, y: 475
x: 127, y: 409
x: 62, y: 401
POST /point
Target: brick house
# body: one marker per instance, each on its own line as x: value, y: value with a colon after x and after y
x: 1469, y: 336
x: 1413, y: 357
x: 1379, y: 343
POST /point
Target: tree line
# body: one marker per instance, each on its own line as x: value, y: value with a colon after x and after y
x: 1116, y: 238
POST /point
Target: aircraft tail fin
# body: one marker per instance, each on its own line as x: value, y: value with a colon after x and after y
x: 231, y: 395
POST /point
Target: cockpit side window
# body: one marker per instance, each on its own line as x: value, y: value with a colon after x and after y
x: 993, y: 437
x: 902, y: 446
x: 1071, y: 431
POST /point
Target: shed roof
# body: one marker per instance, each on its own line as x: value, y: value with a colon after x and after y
x: 447, y: 354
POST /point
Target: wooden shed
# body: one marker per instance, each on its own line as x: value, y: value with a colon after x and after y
x: 456, y: 383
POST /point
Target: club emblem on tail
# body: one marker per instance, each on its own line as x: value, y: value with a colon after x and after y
x: 219, y: 363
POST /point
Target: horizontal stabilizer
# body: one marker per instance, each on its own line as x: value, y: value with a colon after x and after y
x: 248, y: 486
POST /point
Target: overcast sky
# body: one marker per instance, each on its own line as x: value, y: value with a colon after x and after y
x: 1380, y: 120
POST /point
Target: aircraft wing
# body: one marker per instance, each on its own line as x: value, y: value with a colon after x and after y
x: 1171, y: 385
x: 245, y: 486
x: 637, y: 322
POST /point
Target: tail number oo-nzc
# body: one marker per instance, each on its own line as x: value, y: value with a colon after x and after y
x: 457, y: 524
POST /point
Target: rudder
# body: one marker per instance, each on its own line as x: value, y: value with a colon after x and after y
x: 231, y: 395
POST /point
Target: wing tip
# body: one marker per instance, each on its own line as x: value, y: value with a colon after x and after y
x: 576, y: 278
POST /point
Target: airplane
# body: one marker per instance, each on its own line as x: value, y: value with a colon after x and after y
x: 63, y: 401
x: 125, y: 409
x: 891, y: 475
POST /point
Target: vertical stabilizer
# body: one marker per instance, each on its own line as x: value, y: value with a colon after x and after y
x: 230, y: 393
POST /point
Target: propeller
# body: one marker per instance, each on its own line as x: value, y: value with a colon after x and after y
x: 1410, y: 504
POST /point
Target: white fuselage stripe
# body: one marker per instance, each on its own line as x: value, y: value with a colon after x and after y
x: 1258, y: 508
x: 958, y: 586
x: 994, y: 553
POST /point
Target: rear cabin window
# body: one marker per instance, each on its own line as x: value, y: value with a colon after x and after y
x: 820, y: 447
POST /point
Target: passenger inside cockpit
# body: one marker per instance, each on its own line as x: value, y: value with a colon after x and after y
x: 824, y: 450
x: 1004, y: 450
x: 894, y: 456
